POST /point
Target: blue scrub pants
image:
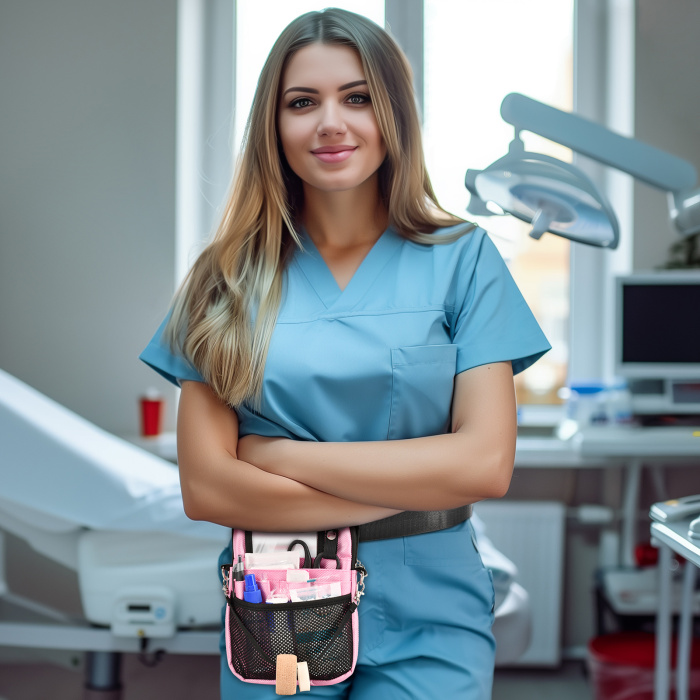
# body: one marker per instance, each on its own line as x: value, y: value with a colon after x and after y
x: 425, y: 624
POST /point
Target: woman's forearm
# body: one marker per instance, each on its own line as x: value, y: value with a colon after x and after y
x: 430, y: 473
x: 233, y: 493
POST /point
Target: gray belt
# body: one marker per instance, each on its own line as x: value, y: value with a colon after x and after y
x: 413, y: 523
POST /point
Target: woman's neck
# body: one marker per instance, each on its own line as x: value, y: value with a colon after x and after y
x: 346, y: 219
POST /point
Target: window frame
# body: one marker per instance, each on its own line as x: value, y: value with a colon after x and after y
x: 206, y: 67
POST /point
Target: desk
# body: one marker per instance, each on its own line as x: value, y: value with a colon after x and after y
x: 673, y: 537
x: 658, y: 443
x: 633, y: 448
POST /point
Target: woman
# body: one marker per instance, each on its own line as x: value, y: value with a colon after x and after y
x: 366, y: 341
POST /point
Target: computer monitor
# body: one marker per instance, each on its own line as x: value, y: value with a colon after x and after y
x: 658, y: 338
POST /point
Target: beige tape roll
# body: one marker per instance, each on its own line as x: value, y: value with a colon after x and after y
x: 286, y: 675
x: 303, y: 676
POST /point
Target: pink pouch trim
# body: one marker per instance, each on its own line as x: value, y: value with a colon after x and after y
x: 345, y: 556
x: 238, y: 548
x: 227, y: 628
x: 238, y: 544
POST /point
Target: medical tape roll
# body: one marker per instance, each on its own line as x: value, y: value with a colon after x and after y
x: 286, y: 676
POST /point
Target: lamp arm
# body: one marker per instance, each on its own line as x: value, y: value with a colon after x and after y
x: 644, y: 162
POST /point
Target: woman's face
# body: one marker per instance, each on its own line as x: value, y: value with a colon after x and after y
x: 326, y: 122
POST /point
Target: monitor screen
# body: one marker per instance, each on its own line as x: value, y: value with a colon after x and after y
x: 660, y: 323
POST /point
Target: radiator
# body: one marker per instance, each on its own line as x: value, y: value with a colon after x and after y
x: 531, y: 535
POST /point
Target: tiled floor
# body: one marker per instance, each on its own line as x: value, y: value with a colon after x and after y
x: 191, y: 677
x: 569, y: 682
x: 176, y: 678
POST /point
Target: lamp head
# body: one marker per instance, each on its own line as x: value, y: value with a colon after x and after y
x: 551, y: 195
x: 558, y: 197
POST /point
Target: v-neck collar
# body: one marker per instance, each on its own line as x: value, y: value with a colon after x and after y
x: 321, y: 278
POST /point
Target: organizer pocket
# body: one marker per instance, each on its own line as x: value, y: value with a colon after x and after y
x: 270, y: 579
x: 318, y: 632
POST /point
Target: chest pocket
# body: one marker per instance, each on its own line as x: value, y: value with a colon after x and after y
x: 421, y: 393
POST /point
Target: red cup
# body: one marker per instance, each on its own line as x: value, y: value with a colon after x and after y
x: 151, y: 415
x: 646, y: 555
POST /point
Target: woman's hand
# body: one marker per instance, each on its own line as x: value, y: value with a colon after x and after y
x: 266, y: 453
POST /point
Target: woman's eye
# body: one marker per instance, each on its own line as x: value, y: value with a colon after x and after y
x: 358, y: 99
x: 301, y: 102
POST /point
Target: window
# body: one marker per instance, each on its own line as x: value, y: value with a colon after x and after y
x: 475, y: 53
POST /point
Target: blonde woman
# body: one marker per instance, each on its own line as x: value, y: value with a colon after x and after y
x: 346, y: 352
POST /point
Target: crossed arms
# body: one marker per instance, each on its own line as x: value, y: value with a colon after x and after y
x: 278, y: 485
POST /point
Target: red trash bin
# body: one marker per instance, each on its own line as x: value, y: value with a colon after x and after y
x: 621, y: 666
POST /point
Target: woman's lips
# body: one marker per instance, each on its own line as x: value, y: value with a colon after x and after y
x: 334, y: 156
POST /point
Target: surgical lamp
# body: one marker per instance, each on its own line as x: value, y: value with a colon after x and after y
x: 558, y: 197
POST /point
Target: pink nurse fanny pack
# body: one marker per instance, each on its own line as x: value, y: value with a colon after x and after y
x: 292, y: 620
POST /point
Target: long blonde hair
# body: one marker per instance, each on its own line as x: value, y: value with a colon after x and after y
x: 224, y: 313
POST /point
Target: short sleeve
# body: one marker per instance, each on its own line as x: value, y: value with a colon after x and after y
x: 159, y: 356
x: 492, y: 321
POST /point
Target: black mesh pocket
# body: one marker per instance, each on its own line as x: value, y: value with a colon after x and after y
x: 318, y: 632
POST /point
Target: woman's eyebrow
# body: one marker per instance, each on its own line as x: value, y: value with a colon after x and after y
x: 313, y: 91
x: 355, y: 83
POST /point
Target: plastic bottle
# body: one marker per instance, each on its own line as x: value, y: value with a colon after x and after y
x: 252, y: 593
x: 620, y: 405
x: 587, y: 404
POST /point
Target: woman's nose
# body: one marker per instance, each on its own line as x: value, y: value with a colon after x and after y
x: 331, y: 120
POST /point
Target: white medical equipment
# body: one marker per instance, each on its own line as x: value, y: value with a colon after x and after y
x: 694, y: 529
x: 675, y: 508
x: 558, y: 197
x: 113, y: 512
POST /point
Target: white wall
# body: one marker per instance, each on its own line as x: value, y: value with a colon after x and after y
x: 87, y: 197
x: 667, y: 106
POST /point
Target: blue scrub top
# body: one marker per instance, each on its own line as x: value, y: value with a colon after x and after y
x: 377, y: 360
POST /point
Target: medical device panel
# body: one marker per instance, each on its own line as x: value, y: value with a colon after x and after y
x: 657, y: 344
